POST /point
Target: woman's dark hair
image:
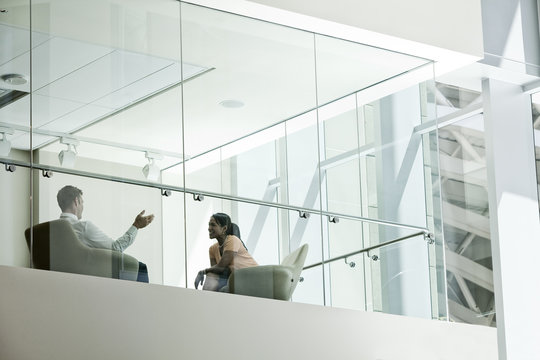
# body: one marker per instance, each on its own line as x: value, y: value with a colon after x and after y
x: 232, y: 229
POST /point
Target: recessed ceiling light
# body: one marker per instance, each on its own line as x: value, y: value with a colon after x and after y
x: 14, y: 79
x: 231, y: 104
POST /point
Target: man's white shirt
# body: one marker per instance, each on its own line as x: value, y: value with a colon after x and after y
x: 92, y: 236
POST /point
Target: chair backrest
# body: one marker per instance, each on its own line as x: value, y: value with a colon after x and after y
x: 296, y: 261
x: 55, y: 246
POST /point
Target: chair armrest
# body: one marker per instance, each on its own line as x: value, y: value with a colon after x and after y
x: 109, y: 263
x: 267, y: 281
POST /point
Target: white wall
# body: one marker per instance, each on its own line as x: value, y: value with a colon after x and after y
x: 425, y: 28
x: 14, y: 213
x: 48, y: 315
x: 514, y: 220
x: 425, y: 21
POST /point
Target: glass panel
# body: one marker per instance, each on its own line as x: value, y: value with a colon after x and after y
x: 113, y: 106
x: 235, y: 109
x: 393, y: 170
x: 535, y: 100
x: 310, y: 289
x: 306, y: 231
x: 260, y: 229
x: 451, y: 98
x: 15, y: 79
x: 465, y: 209
x: 15, y: 76
x: 102, y: 218
x: 400, y: 278
x: 174, y: 250
x: 340, y: 165
x: 345, y: 67
x: 246, y: 168
x: 345, y: 236
x: 434, y: 201
x: 347, y: 282
x: 303, y: 184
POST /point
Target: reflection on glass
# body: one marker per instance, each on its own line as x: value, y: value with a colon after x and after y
x: 465, y: 209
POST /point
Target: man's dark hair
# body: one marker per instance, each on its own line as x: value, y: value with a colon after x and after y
x: 67, y: 195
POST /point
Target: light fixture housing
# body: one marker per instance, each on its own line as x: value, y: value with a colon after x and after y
x: 5, y: 144
x: 232, y: 104
x: 67, y: 157
x: 14, y: 79
x: 151, y: 171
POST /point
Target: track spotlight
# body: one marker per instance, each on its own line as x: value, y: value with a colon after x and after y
x: 151, y: 171
x: 5, y: 144
x: 67, y: 157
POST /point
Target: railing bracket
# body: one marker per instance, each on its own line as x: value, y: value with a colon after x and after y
x: 333, y: 219
x: 429, y: 237
x: 351, y: 263
x: 47, y: 173
x: 166, y: 192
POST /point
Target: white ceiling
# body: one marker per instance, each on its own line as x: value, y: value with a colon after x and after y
x: 91, y: 59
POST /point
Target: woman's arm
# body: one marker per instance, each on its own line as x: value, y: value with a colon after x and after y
x: 224, y: 263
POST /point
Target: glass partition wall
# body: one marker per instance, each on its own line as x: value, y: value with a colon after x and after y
x: 184, y: 111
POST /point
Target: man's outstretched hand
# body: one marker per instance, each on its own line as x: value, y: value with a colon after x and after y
x: 142, y: 221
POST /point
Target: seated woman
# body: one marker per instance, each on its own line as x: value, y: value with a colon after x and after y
x: 228, y: 254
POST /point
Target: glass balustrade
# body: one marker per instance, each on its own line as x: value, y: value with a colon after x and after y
x: 184, y: 111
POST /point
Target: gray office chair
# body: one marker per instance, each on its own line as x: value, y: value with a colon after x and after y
x: 270, y: 281
x: 56, y: 247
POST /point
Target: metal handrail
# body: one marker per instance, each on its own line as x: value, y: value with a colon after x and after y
x: 429, y: 236
x: 164, y: 187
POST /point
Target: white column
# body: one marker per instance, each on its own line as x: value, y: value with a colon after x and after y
x: 514, y: 218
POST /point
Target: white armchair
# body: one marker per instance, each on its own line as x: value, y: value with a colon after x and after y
x: 270, y: 281
x: 55, y: 246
